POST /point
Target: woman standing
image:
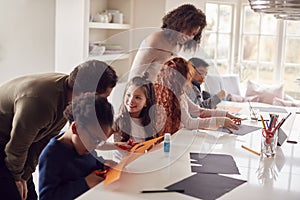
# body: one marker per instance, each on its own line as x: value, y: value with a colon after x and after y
x: 181, y: 29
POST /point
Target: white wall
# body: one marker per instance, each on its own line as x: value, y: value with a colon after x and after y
x: 147, y: 19
x: 26, y: 37
x: 70, y: 33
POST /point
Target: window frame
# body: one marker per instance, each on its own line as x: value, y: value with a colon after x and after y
x: 236, y: 51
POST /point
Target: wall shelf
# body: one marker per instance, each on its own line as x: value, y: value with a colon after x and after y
x: 98, y: 25
x: 109, y: 57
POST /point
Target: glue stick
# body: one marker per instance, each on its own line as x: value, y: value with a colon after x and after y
x: 167, y: 142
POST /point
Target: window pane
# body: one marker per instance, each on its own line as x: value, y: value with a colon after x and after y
x: 210, y: 44
x: 292, y: 87
x: 222, y: 66
x: 211, y: 16
x: 223, y: 46
x: 250, y: 44
x: 267, y: 48
x: 293, y: 27
x: 266, y: 73
x: 251, y: 21
x: 248, y: 71
x: 225, y: 18
x: 292, y: 51
x: 268, y: 24
x: 292, y: 59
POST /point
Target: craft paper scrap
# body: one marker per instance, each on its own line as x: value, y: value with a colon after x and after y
x: 139, y: 149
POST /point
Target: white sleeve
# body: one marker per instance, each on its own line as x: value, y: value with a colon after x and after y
x: 194, y: 123
x: 196, y: 110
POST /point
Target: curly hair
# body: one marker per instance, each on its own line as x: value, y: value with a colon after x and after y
x: 92, y: 76
x: 147, y: 115
x: 88, y: 108
x: 185, y: 18
x: 169, y: 86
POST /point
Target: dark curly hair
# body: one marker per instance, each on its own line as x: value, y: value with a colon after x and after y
x: 92, y: 76
x: 169, y: 86
x: 184, y: 18
x: 88, y: 108
x: 147, y: 115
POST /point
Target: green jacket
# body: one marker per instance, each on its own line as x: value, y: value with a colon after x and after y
x: 31, y: 113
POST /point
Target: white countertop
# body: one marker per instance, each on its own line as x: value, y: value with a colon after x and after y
x: 267, y: 178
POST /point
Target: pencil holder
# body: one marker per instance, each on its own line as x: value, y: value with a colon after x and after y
x: 269, y: 142
x: 254, y: 114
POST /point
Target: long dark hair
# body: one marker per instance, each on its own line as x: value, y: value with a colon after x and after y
x: 169, y: 87
x: 147, y: 115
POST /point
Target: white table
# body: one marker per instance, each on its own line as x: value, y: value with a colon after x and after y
x: 275, y: 178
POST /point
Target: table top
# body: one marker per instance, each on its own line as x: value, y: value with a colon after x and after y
x: 266, y: 178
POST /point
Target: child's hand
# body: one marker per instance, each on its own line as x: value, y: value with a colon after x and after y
x: 93, y: 179
x: 101, y: 172
x: 131, y: 142
x: 221, y: 94
x: 227, y: 123
x: 123, y: 145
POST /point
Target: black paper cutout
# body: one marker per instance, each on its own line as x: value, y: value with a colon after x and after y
x: 207, y: 183
x: 214, y: 163
x: 243, y: 129
x: 207, y: 186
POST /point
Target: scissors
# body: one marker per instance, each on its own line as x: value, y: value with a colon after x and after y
x: 237, y: 121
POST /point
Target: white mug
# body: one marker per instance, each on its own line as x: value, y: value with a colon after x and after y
x: 118, y: 18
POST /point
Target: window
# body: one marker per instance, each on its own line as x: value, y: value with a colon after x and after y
x: 255, y: 45
x: 257, y: 48
x: 218, y: 35
x: 292, y: 58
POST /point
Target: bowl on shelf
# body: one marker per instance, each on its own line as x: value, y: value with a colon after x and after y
x: 97, y: 50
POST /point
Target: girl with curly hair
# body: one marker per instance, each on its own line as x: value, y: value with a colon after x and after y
x: 67, y: 163
x: 181, y: 29
x: 177, y: 107
x: 136, y: 121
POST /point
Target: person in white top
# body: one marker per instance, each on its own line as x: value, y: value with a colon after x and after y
x: 177, y: 107
x: 181, y: 30
x: 136, y: 121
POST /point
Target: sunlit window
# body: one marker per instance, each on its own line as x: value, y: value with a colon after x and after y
x: 256, y: 46
x: 218, y: 37
x: 292, y: 58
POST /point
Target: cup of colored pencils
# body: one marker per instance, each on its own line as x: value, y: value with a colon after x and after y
x: 269, y: 140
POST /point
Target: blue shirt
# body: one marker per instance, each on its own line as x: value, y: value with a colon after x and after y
x: 62, y: 171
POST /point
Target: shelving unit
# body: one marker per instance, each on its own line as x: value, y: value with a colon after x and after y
x: 112, y: 33
x: 75, y: 31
